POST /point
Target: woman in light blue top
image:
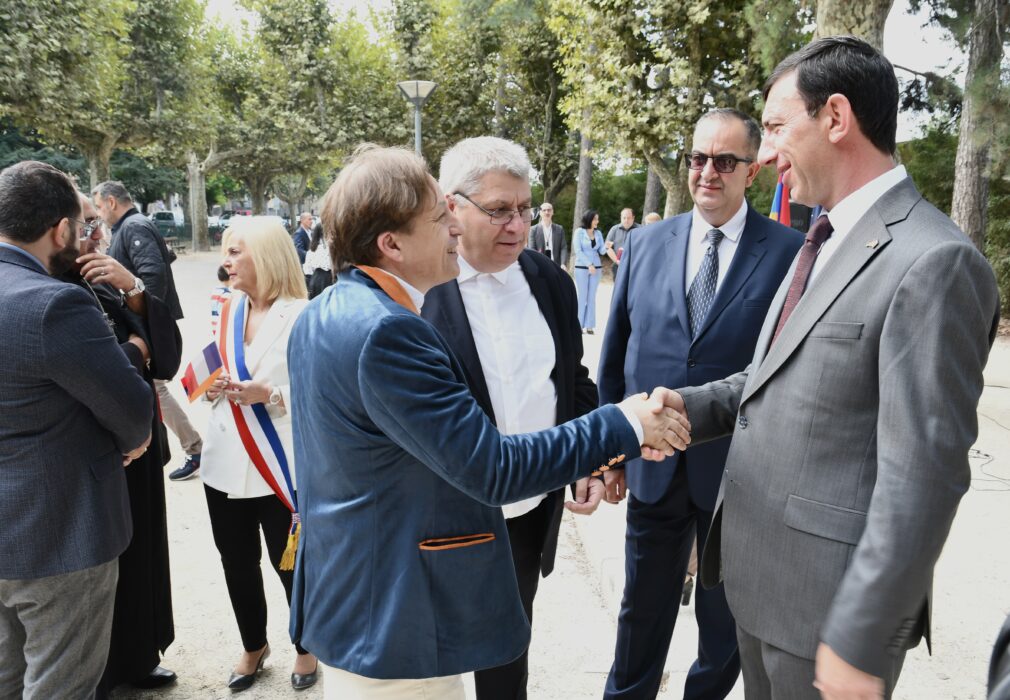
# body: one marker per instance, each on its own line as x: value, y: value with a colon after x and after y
x: 588, y: 244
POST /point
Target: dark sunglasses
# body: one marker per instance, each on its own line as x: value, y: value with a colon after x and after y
x: 722, y: 163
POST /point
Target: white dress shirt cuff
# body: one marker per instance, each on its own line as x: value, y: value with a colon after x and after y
x: 636, y: 424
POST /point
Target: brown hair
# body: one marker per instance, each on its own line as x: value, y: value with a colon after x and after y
x: 379, y: 190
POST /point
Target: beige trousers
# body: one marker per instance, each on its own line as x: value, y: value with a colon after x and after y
x: 343, y: 685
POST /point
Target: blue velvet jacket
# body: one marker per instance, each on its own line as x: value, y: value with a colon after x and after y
x: 404, y: 568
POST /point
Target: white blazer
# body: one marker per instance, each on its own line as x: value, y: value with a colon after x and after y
x: 224, y: 463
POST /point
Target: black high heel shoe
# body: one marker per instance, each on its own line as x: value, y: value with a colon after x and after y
x: 301, y: 681
x: 243, y: 681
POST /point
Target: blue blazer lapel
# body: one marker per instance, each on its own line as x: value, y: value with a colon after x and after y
x: 676, y: 264
x: 749, y: 251
x: 455, y: 326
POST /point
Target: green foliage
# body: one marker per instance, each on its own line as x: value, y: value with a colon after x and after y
x: 17, y: 145
x: 221, y: 188
x: 930, y: 163
x: 145, y: 181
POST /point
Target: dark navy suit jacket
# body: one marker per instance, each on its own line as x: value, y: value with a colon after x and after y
x: 554, y: 292
x: 71, y: 404
x: 648, y: 338
x: 404, y: 568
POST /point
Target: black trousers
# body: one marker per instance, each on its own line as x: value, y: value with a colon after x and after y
x: 526, y: 538
x: 657, y: 549
x: 236, y: 524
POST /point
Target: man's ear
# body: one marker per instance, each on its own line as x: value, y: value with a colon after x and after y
x: 450, y: 201
x: 752, y: 170
x: 837, y: 113
x: 389, y: 246
x: 59, y: 235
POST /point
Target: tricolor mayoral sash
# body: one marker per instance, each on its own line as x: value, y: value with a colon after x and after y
x: 255, y: 427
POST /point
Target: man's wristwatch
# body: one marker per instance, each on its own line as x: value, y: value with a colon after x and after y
x: 138, y: 288
x: 275, y: 396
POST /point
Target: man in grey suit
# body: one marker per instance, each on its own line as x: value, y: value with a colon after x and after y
x: 548, y: 237
x: 851, y: 426
x: 73, y: 410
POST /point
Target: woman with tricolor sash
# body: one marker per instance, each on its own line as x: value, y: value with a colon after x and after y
x: 248, y: 465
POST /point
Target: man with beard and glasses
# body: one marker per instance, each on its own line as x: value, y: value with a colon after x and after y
x: 142, y: 625
x: 73, y: 411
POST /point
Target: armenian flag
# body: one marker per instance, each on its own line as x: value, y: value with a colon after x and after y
x: 780, y: 205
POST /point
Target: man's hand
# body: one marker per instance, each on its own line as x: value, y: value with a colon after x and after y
x: 665, y: 429
x: 838, y: 680
x: 588, y: 494
x: 134, y: 454
x: 613, y: 480
x: 673, y: 401
x: 102, y: 269
x: 145, y: 352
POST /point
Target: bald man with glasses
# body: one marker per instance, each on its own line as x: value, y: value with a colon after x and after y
x: 687, y: 308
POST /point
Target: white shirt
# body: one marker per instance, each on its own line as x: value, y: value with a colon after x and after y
x: 412, y: 292
x: 547, y: 228
x: 697, y: 247
x: 850, y: 210
x: 516, y: 351
x: 517, y: 354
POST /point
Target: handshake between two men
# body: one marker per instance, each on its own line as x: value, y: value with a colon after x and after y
x: 665, y: 429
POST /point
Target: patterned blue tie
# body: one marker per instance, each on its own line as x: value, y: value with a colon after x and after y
x: 702, y: 291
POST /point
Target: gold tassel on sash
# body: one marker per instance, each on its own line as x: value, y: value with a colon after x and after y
x: 288, y: 558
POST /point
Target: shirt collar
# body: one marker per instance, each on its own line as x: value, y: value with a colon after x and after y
x: 731, y: 229
x: 851, y: 209
x: 468, y: 273
x: 412, y: 292
x: 128, y: 212
x: 25, y: 253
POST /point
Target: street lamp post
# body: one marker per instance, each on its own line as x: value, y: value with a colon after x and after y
x: 416, y: 92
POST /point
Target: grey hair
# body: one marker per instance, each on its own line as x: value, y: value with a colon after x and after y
x: 465, y: 164
x: 114, y: 189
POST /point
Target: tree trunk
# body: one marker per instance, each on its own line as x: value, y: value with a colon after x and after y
x: 863, y: 19
x: 257, y: 185
x: 98, y: 157
x: 499, y: 98
x: 653, y: 191
x: 196, y: 175
x: 673, y: 182
x: 971, y: 177
x: 585, y: 179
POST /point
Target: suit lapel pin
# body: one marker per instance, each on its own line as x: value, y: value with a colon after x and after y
x: 872, y: 244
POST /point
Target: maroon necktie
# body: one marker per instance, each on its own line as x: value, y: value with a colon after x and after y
x: 818, y: 233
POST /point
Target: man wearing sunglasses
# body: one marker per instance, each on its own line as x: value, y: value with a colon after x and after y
x: 687, y: 309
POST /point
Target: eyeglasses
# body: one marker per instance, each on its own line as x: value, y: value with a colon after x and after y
x: 88, y: 228
x: 502, y: 217
x: 722, y: 163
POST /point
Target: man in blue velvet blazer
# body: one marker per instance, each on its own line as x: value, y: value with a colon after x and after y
x: 684, y: 312
x: 404, y: 579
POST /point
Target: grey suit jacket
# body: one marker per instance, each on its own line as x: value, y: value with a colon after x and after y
x: 559, y: 245
x: 71, y: 403
x: 850, y: 439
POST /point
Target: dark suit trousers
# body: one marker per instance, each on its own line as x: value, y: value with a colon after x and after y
x: 526, y: 538
x: 657, y: 550
x: 236, y: 524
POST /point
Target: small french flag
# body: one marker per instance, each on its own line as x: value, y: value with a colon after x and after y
x: 201, y: 372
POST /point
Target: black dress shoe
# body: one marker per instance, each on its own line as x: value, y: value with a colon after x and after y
x: 241, y: 681
x: 301, y: 681
x: 685, y: 596
x: 158, y: 678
